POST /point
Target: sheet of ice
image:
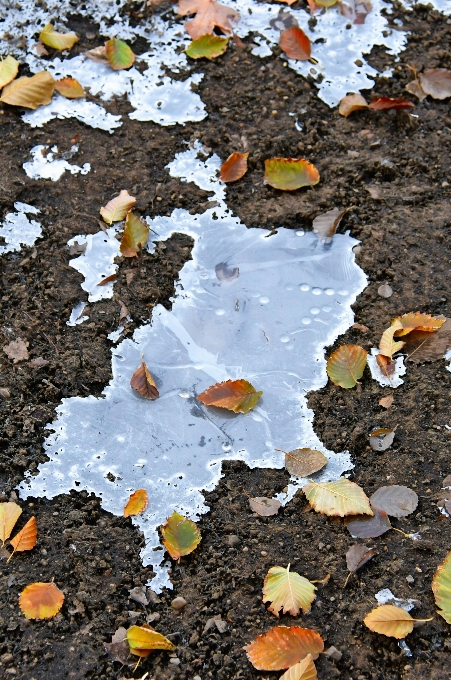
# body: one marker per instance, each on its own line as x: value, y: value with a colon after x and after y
x: 166, y: 101
x: 448, y: 358
x: 46, y: 166
x: 97, y: 262
x: 86, y: 112
x: 376, y: 373
x: 385, y: 596
x: 18, y: 230
x: 76, y: 316
x: 115, y: 335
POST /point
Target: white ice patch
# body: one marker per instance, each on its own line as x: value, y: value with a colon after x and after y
x: 165, y: 101
x: 97, y: 262
x: 86, y: 112
x: 377, y: 374
x: 17, y: 230
x: 448, y: 358
x: 76, y: 316
x: 46, y: 166
x: 385, y: 596
x: 115, y: 335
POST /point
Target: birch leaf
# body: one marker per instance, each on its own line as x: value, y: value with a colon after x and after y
x: 9, y: 514
x: 120, y: 56
x: 441, y: 587
x: 388, y: 346
x: 207, y: 46
x: 137, y: 503
x: 396, y: 500
x: 289, y: 174
x: 234, y: 167
x: 9, y: 68
x: 283, y: 647
x: 288, y: 591
x: 41, y: 600
x: 29, y: 92
x: 145, y: 638
x: 363, y: 526
x: 142, y: 382
x: 238, y: 396
x: 70, y: 88
x: 418, y: 321
x: 116, y: 209
x: 58, y: 41
x: 304, y: 462
x: 180, y: 536
x: 390, y: 621
x: 305, y: 670
x: 345, y: 366
x: 337, y: 499
x: 136, y: 233
x: 26, y: 538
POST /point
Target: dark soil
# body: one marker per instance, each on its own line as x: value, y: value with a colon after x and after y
x: 405, y: 235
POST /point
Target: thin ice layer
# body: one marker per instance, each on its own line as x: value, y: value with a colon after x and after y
x: 86, y: 112
x: 46, y: 166
x: 18, y: 230
x: 97, y: 262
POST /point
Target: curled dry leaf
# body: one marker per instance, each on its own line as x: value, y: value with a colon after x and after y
x: 390, y: 621
x: 207, y: 46
x: 283, y: 647
x: 345, y: 366
x: 265, y: 507
x: 288, y: 591
x: 305, y: 670
x: 289, y: 174
x: 144, y: 638
x: 180, y: 536
x: 41, y: 600
x: 436, y: 82
x: 9, y: 514
x: 326, y: 225
x: 424, y: 346
x: 26, y: 538
x: 17, y: 350
x: 116, y: 209
x: 382, y: 438
x: 385, y: 290
x: 29, y: 92
x: 235, y: 395
x: 107, y: 279
x: 209, y: 15
x: 337, y: 499
x: 351, y: 103
x: 386, y: 103
x: 69, y: 88
x: 136, y: 233
x: 304, y: 462
x: 388, y: 346
x: 415, y: 88
x: 120, y: 56
x: 234, y: 167
x: 396, y: 500
x: 387, y: 401
x: 362, y: 526
x: 295, y: 44
x: 9, y: 68
x: 142, y: 382
x: 137, y: 503
x: 387, y: 365
x: 441, y: 587
x: 98, y: 54
x: 357, y: 556
x: 417, y: 321
x: 57, y: 41
x: 118, y: 649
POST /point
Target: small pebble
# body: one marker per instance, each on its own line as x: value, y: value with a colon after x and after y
x: 245, y: 549
x: 178, y: 603
x: 410, y: 579
x: 175, y: 661
x: 233, y: 541
x: 263, y: 553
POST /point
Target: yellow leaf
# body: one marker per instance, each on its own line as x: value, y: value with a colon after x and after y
x: 345, y: 366
x: 137, y: 503
x: 340, y: 498
x: 26, y: 538
x: 41, y: 600
x: 29, y: 92
x: 116, y: 209
x: 58, y: 41
x: 9, y: 514
x: 288, y: 591
x: 8, y: 70
x: 305, y: 670
x: 390, y: 621
x: 441, y: 587
x: 289, y: 174
x: 351, y: 103
x: 140, y: 638
x: 387, y: 345
x: 135, y: 235
x: 180, y: 536
x: 283, y: 647
x: 69, y: 88
x: 417, y: 321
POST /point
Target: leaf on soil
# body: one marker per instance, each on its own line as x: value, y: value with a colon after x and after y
x: 9, y: 514
x: 144, y: 638
x: 382, y: 438
x: 415, y: 88
x: 118, y: 649
x: 9, y: 68
x: 265, y: 507
x: 209, y: 15
x: 390, y: 621
x: 234, y: 167
x: 357, y: 556
x: 288, y: 591
x: 26, y: 538
x: 238, y: 396
x: 345, y: 366
x: 388, y: 346
x: 441, y: 587
x: 326, y: 225
x: 305, y: 670
x: 386, y: 103
x: 423, y: 346
x: 135, y: 235
x: 283, y: 647
x: 70, y: 88
x: 295, y: 44
x: 351, y: 103
x: 304, y: 462
x: 98, y: 54
x: 120, y: 56
x: 337, y: 499
x: 142, y: 382
x: 29, y: 92
x: 116, y: 209
x: 385, y: 290
x: 41, y: 600
x: 137, y: 503
x: 289, y: 174
x: 436, y: 82
x: 208, y: 46
x: 180, y: 536
x: 418, y: 321
x: 397, y: 501
x: 17, y: 350
x: 387, y: 401
x: 58, y: 41
x: 363, y: 526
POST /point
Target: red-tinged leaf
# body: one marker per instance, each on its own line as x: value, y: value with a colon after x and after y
x: 396, y: 500
x: 441, y: 587
x: 107, y: 279
x: 137, y: 503
x: 180, y: 536
x: 209, y: 15
x: 436, y: 82
x: 70, y: 88
x: 26, y: 538
x: 136, y: 233
x: 362, y: 526
x: 351, y: 103
x: 289, y: 174
x: 234, y: 167
x: 235, y: 395
x: 345, y: 366
x: 386, y: 103
x: 387, y: 365
x: 41, y: 600
x: 295, y: 44
x: 120, y: 56
x: 283, y: 647
x: 142, y: 382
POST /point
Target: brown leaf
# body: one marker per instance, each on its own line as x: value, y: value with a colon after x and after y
x: 351, y: 103
x: 98, y: 54
x: 436, y: 82
x: 124, y: 313
x: 282, y: 647
x: 295, y: 44
x: 385, y: 103
x: 143, y: 383
x: 265, y: 507
x: 397, y: 501
x: 234, y: 167
x: 387, y: 401
x: 382, y: 438
x: 363, y: 526
x: 235, y: 395
x: 107, y: 279
x: 304, y: 462
x: 118, y: 649
x: 424, y: 346
x: 387, y: 365
x: 415, y: 88
x: 209, y: 15
x: 326, y: 225
x: 360, y: 327
x: 17, y: 350
x: 357, y: 556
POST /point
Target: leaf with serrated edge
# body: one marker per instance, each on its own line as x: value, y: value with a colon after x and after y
x: 116, y: 209
x: 180, y: 536
x: 304, y: 462
x: 265, y: 507
x: 9, y: 68
x: 142, y: 382
x: 29, y: 92
x: 351, y: 103
x: 26, y: 538
x: 387, y: 345
x: 41, y: 600
x: 418, y: 321
x: 441, y: 587
x: 283, y: 647
x: 289, y: 174
x: 137, y: 503
x: 396, y: 500
x: 305, y: 670
x: 337, y: 499
x: 139, y: 637
x: 295, y: 44
x: 136, y: 233
x: 234, y: 167
x: 120, y: 56
x: 345, y: 366
x: 9, y: 514
x: 58, y: 41
x: 390, y: 621
x: 238, y: 396
x: 207, y: 46
x: 288, y: 591
x: 70, y: 88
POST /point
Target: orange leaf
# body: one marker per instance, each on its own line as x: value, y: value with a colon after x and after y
x: 9, y: 514
x: 69, y: 88
x: 295, y: 43
x: 417, y: 321
x: 180, y: 536
x: 143, y: 382
x: 234, y: 167
x: 41, y: 600
x: 26, y: 538
x: 390, y: 621
x: 289, y: 174
x: 351, y: 103
x: 385, y: 103
x: 235, y: 395
x: 137, y: 503
x: 283, y: 647
x: 209, y: 15
x: 135, y: 235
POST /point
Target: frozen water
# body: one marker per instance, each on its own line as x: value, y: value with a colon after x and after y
x: 17, y: 230
x: 97, y: 262
x: 377, y: 374
x: 46, y: 166
x: 385, y: 596
x: 87, y: 112
x: 76, y: 316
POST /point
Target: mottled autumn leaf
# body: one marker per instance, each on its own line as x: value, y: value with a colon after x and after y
x: 338, y: 498
x: 305, y: 670
x: 116, y: 209
x: 235, y: 395
x: 137, y: 503
x: 382, y: 438
x: 29, y: 92
x: 441, y: 587
x: 304, y: 462
x: 207, y: 46
x: 417, y: 321
x: 283, y: 647
x: 362, y: 526
x: 390, y: 621
x: 26, y: 538
x: 288, y: 591
x: 144, y: 638
x: 385, y: 103
x: 345, y: 366
x: 9, y: 68
x: 295, y: 44
x: 265, y: 507
x: 234, y: 167
x: 436, y: 82
x: 120, y: 56
x: 136, y: 233
x: 396, y: 500
x: 9, y: 514
x: 209, y: 15
x: 142, y: 382
x: 58, y: 41
x: 41, y: 600
x: 70, y: 88
x: 180, y: 536
x: 289, y: 174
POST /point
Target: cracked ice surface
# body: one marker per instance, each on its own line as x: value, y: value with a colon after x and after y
x: 247, y: 305
x: 46, y: 166
x: 17, y: 230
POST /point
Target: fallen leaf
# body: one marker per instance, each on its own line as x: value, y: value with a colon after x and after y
x: 363, y: 526
x: 17, y: 350
x: 180, y: 536
x: 9, y: 514
x: 415, y: 88
x: 388, y: 346
x: 441, y: 587
x: 305, y: 670
x: 355, y: 10
x: 124, y: 313
x: 69, y: 88
x: 9, y: 68
x: 116, y: 209
x: 137, y: 503
x: 107, y: 279
x: 39, y: 362
x: 387, y: 401
x: 41, y: 600
x: 58, y: 41
x: 130, y: 275
x: 289, y: 174
x: 326, y: 3
x: 265, y: 507
x: 144, y: 638
x: 118, y: 649
x: 288, y: 591
x: 397, y: 501
x: 283, y: 647
x: 287, y: 2
x: 295, y: 44
x: 234, y: 167
x: 356, y: 557
x: 209, y: 15
x: 337, y: 499
x: 238, y: 396
x: 29, y: 92
x: 390, y: 621
x: 207, y: 46
x: 98, y: 54
x: 351, y: 103
x: 326, y: 225
x: 136, y: 233
x: 345, y: 366
x: 304, y: 462
x: 385, y: 103
x: 120, y: 56
x: 418, y: 321
x: 26, y: 538
x: 436, y: 82
x: 385, y: 290
x: 387, y: 365
x: 382, y: 438
x: 142, y: 382
x: 424, y: 346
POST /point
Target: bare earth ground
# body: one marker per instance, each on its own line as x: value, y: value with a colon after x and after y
x: 405, y: 235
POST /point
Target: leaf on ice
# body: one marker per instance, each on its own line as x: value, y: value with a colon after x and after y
x: 382, y: 438
x: 144, y: 638
x: 345, y: 366
x: 70, y: 88
x: 116, y: 209
x: 326, y: 225
x: 180, y: 536
x: 390, y: 621
x: 41, y: 600
x: 295, y: 44
x: 305, y: 670
x: 288, y: 591
x: 142, y: 382
x: 235, y: 395
x: 9, y: 514
x: 209, y: 15
x: 289, y: 174
x: 386, y: 103
x: 338, y: 498
x: 57, y: 41
x: 351, y: 103
x: 120, y: 56
x: 424, y: 346
x: 137, y: 503
x: 283, y: 647
x: 418, y: 321
x: 29, y: 92
x: 362, y: 526
x: 441, y: 587
x: 265, y: 507
x: 26, y: 538
x: 136, y: 233
x: 9, y: 68
x: 107, y: 279
x: 304, y: 462
x: 234, y: 167
x: 207, y: 46
x: 396, y: 500
x: 436, y: 82
x: 387, y: 365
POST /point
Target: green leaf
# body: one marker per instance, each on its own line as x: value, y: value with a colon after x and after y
x: 346, y: 365
x: 207, y: 46
x: 58, y: 41
x: 119, y: 54
x: 180, y: 536
x: 288, y: 591
x: 8, y: 70
x: 289, y: 174
x: 441, y: 587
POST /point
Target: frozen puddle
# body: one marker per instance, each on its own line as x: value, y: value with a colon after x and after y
x: 18, y: 230
x: 247, y: 305
x: 46, y: 166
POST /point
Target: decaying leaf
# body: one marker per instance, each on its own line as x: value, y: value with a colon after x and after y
x: 41, y: 600
x: 283, y: 647
x: 397, y: 501
x: 304, y: 462
x: 136, y: 233
x: 345, y: 366
x: 355, y: 10
x: 390, y: 621
x: 235, y: 395
x: 9, y: 68
x: 436, y: 82
x: 144, y: 638
x: 289, y: 174
x: 386, y: 103
x: 362, y: 526
x: 295, y: 44
x: 26, y: 538
x: 209, y: 15
x: 356, y: 557
x: 417, y: 321
x: 118, y: 649
x: 305, y: 670
x: 351, y: 103
x: 382, y: 438
x: 441, y: 587
x: 97, y: 54
x: 414, y: 87
x: 387, y: 401
x: 9, y: 514
x: 29, y: 92
x: 116, y: 209
x: 70, y: 88
x: 265, y: 507
x: 234, y: 167
x: 388, y: 346
x: 107, y: 279
x: 288, y: 591
x: 137, y: 503
x: 337, y: 499
x: 57, y: 41
x: 207, y: 46
x: 120, y: 56
x: 424, y: 346
x: 326, y: 225
x: 180, y: 536
x: 142, y: 382
x: 387, y: 365
x: 17, y: 350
